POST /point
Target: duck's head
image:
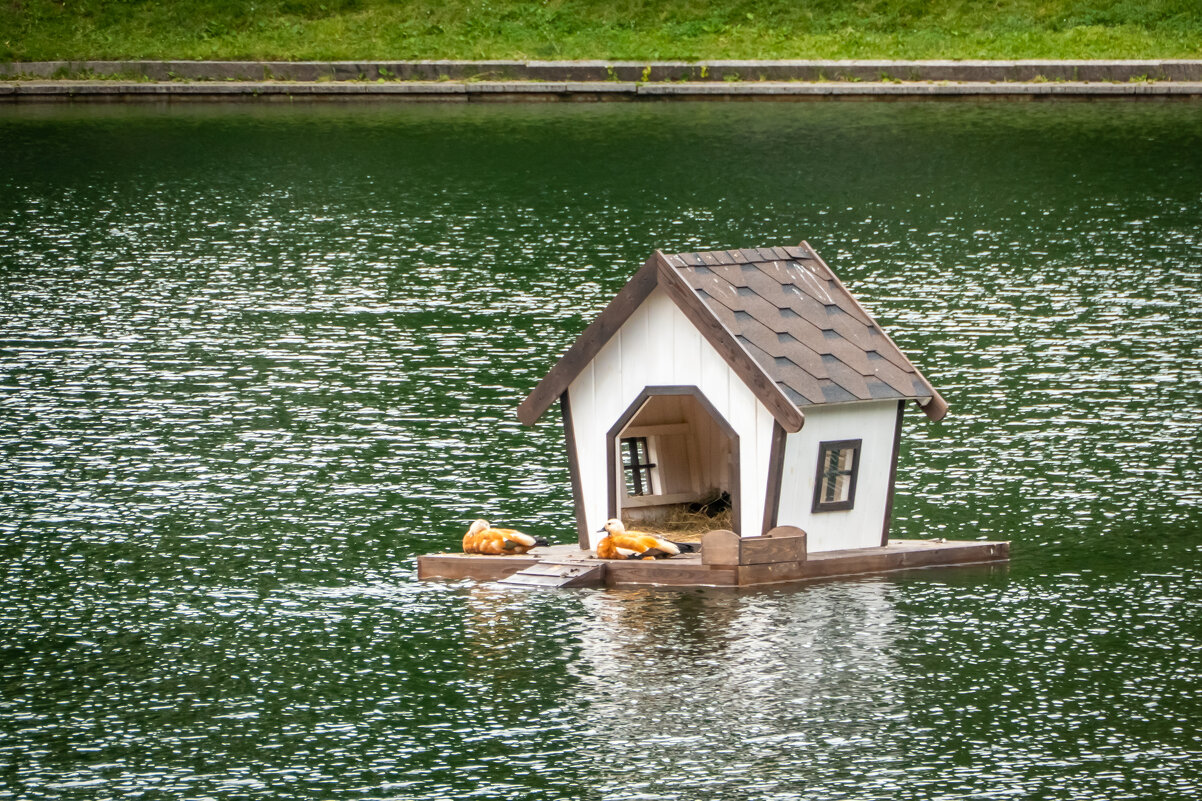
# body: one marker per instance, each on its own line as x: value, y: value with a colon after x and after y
x: 613, y: 526
x: 478, y: 526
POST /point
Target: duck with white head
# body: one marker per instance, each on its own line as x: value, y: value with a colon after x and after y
x: 622, y: 544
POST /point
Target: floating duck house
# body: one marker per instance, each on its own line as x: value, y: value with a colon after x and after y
x: 749, y: 376
x: 752, y: 374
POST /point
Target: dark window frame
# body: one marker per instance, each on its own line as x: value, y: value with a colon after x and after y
x: 822, y: 474
x: 637, y: 471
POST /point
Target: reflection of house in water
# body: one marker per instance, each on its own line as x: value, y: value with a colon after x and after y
x: 726, y: 691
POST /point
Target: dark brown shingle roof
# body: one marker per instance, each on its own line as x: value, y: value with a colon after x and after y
x: 801, y: 325
x: 778, y: 316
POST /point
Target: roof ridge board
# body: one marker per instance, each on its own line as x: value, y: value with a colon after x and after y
x: 936, y: 408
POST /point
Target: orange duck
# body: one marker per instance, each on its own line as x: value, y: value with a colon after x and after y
x: 484, y: 539
x: 622, y: 544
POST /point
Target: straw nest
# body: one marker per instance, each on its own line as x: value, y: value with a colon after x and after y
x: 683, y: 525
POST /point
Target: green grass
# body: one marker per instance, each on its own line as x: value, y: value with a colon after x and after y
x: 32, y: 30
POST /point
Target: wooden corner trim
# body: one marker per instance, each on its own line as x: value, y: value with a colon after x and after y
x: 723, y: 341
x: 569, y: 435
x: 901, y: 411
x: 582, y: 351
x: 776, y: 471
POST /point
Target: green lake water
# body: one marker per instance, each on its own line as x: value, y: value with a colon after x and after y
x: 254, y: 360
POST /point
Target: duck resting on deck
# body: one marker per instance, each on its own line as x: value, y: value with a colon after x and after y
x: 482, y: 538
x: 622, y: 544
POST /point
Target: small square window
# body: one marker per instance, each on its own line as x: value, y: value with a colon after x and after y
x: 835, y: 483
x: 637, y: 464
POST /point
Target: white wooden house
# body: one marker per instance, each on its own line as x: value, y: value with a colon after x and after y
x: 748, y: 372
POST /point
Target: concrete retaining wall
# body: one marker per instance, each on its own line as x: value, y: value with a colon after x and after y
x: 121, y: 81
x: 483, y: 91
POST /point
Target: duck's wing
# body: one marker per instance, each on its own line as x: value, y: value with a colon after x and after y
x: 517, y: 538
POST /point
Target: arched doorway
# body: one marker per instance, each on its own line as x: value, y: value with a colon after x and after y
x: 669, y: 449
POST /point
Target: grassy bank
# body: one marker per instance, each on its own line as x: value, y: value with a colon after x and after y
x: 612, y: 29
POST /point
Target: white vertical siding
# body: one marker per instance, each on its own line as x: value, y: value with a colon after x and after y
x: 658, y: 346
x: 860, y: 526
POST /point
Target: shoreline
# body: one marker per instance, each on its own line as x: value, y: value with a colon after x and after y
x: 134, y: 81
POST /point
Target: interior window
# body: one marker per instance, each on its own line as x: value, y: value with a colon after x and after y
x: 636, y: 459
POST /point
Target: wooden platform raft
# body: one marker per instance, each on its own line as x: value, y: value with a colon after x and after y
x: 726, y: 560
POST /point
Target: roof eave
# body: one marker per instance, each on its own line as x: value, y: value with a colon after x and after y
x: 934, y: 408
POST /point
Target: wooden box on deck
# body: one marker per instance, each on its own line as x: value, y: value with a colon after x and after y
x: 781, y: 544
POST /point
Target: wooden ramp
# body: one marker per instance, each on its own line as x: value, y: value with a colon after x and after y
x: 557, y: 574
